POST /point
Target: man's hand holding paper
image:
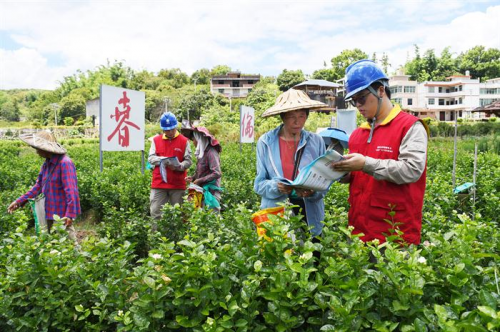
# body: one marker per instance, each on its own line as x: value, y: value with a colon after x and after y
x: 350, y: 162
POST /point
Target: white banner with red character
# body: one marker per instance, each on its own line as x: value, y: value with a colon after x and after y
x: 247, y: 122
x: 122, y: 119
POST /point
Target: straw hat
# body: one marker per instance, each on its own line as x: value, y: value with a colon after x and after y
x: 293, y: 100
x: 43, y: 140
x: 187, y: 130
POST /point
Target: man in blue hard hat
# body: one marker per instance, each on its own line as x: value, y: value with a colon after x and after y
x: 387, y: 160
x: 170, y: 186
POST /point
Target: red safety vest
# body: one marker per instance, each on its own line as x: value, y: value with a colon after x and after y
x: 170, y: 148
x: 370, y: 198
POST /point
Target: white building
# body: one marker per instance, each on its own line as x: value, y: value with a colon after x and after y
x: 441, y: 100
x: 233, y: 85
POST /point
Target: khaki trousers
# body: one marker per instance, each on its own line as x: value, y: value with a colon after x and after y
x: 160, y: 197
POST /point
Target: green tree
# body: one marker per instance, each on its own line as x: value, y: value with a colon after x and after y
x: 446, y: 66
x: 174, y: 77
x: 220, y: 70
x: 324, y: 74
x: 9, y: 111
x: 343, y: 60
x: 202, y: 76
x: 289, y: 78
x: 480, y: 62
x: 384, y: 63
x: 72, y: 106
x: 144, y: 80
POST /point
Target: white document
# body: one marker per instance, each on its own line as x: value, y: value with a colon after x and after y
x: 167, y: 161
x: 318, y: 175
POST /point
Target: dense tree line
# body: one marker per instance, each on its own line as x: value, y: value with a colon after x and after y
x: 189, y: 95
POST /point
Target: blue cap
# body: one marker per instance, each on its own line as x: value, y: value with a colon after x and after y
x: 168, y: 121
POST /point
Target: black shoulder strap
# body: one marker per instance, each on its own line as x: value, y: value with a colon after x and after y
x: 297, y: 161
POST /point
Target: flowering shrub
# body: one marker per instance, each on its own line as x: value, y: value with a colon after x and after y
x: 207, y: 272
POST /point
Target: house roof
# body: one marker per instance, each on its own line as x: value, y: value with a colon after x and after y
x: 493, y: 108
x: 317, y: 83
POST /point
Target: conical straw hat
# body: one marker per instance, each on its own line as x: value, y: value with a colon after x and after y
x: 293, y: 100
x: 43, y: 140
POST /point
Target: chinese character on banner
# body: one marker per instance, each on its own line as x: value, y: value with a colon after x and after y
x: 122, y: 117
x: 246, y: 124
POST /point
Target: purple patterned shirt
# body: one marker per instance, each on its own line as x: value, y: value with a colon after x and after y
x: 208, y: 169
x: 61, y: 191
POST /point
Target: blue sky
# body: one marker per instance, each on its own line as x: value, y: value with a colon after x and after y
x: 41, y: 42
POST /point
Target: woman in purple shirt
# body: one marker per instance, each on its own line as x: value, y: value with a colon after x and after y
x: 56, y: 181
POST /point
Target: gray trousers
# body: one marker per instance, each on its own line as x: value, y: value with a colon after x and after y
x: 160, y: 197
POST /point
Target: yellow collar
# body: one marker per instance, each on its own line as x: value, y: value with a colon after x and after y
x: 392, y: 114
x: 165, y: 136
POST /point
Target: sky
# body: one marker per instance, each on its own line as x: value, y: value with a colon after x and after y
x: 41, y: 42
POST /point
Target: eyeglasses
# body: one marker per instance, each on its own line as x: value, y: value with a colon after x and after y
x: 361, y: 100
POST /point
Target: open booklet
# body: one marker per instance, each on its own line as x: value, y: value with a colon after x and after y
x: 167, y: 161
x: 318, y: 175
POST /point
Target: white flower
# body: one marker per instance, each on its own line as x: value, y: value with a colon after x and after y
x: 156, y: 256
x: 422, y: 260
x: 120, y: 312
x: 55, y: 252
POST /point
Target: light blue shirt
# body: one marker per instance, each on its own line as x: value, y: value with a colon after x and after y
x: 269, y: 167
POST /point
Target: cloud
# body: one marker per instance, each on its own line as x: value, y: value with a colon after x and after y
x: 58, y: 38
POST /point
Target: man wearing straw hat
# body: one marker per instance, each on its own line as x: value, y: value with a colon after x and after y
x: 56, y: 181
x: 283, y: 151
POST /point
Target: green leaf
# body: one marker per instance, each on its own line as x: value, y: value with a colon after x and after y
x: 187, y: 243
x: 487, y: 299
x: 257, y: 266
x: 79, y: 308
x: 327, y: 328
x: 158, y: 314
x: 488, y: 311
x: 399, y: 307
x: 420, y: 325
x: 241, y: 323
x: 149, y: 281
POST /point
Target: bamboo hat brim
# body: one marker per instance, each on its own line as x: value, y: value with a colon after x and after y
x: 43, y: 140
x: 293, y: 100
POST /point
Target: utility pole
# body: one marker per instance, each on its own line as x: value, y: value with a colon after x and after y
x: 195, y: 80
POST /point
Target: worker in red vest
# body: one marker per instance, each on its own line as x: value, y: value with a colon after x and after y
x: 168, y: 183
x: 387, y: 160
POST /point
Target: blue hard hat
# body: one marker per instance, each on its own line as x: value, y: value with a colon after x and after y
x: 168, y: 121
x: 360, y: 75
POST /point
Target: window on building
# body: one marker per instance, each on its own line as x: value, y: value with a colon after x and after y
x: 221, y: 82
x: 440, y: 89
x: 235, y: 84
x: 486, y: 101
x: 459, y: 88
x: 221, y: 90
x: 409, y: 89
x: 250, y: 82
x: 431, y: 89
x: 460, y: 101
x: 431, y: 101
x: 397, y: 100
x: 396, y: 88
x: 441, y: 102
x: 410, y: 101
